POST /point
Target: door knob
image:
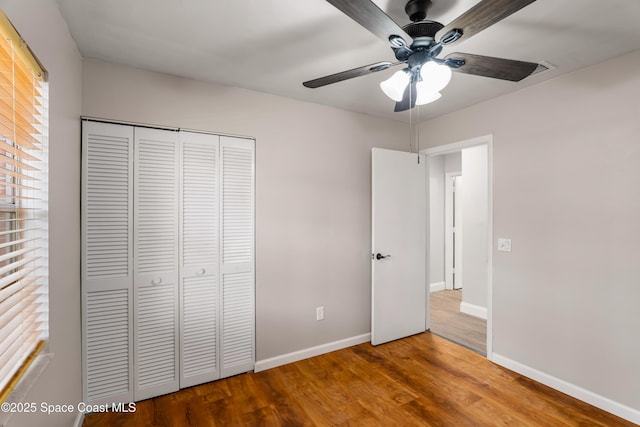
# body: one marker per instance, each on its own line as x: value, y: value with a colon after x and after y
x: 380, y: 256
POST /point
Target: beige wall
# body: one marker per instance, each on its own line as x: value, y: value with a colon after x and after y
x: 41, y: 25
x: 312, y: 193
x: 566, y: 190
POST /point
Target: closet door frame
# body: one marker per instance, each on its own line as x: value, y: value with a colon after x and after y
x: 236, y: 276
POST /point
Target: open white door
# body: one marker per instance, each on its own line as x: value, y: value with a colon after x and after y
x: 398, y: 265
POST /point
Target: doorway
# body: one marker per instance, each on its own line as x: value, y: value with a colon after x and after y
x: 459, y: 242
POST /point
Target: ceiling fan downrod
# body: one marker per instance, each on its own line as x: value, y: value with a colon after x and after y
x: 417, y: 9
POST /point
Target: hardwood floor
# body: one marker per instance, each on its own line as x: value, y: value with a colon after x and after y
x: 423, y: 380
x: 446, y: 320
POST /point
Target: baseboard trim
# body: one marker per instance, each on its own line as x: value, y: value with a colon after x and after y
x: 437, y: 286
x: 262, y: 365
x: 604, y: 403
x: 473, y: 310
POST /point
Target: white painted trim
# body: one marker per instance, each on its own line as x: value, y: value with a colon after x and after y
x: 79, y: 420
x: 437, y: 286
x: 448, y: 230
x: 149, y: 125
x: 448, y: 236
x: 457, y: 146
x: 604, y: 403
x: 263, y: 365
x: 473, y: 310
x: 489, y: 139
x: 427, y: 261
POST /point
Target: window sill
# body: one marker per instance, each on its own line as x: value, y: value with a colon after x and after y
x: 28, y: 380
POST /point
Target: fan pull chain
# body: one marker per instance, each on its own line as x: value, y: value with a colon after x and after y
x: 418, y: 132
x: 410, y: 123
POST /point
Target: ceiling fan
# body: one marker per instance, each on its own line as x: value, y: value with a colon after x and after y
x: 418, y: 44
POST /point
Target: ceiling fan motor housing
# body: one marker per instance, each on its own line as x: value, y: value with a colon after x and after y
x: 423, y: 29
x: 423, y: 34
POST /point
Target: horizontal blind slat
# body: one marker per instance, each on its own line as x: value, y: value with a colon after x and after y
x: 23, y: 251
x: 13, y: 277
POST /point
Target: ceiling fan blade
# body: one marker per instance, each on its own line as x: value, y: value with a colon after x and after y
x: 349, y: 74
x: 482, y: 15
x: 497, y: 68
x: 371, y: 17
x: 408, y: 99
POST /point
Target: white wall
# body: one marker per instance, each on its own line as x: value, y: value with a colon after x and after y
x: 475, y: 208
x: 42, y: 26
x: 566, y: 190
x: 436, y: 220
x: 313, y: 188
x: 453, y: 163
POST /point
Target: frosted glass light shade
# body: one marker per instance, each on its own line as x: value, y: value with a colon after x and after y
x: 425, y: 96
x: 435, y: 77
x: 395, y: 85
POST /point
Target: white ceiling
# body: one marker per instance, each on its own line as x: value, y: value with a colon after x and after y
x: 274, y: 45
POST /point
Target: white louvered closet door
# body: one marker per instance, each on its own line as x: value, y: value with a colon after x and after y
x: 200, y: 282
x: 156, y: 331
x: 107, y: 271
x: 237, y: 264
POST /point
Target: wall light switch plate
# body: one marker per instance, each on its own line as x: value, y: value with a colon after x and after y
x: 504, y: 245
x: 319, y: 313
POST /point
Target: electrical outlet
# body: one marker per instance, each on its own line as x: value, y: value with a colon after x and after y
x: 504, y: 245
x: 319, y: 313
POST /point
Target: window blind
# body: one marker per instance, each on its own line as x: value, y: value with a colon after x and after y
x: 23, y: 207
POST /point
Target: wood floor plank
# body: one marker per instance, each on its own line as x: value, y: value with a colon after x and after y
x: 288, y: 411
x: 375, y: 391
x: 423, y: 380
x: 243, y: 401
x: 448, y: 368
x: 439, y: 402
x: 448, y: 321
x: 310, y: 393
x: 213, y: 391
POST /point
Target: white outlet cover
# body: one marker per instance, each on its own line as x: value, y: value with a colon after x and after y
x: 504, y: 245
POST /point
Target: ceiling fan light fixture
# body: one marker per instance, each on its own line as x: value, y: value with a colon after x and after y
x: 395, y: 85
x: 424, y: 96
x: 435, y: 77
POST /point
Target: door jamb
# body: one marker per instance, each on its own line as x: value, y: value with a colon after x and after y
x: 448, y: 227
x: 457, y: 146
